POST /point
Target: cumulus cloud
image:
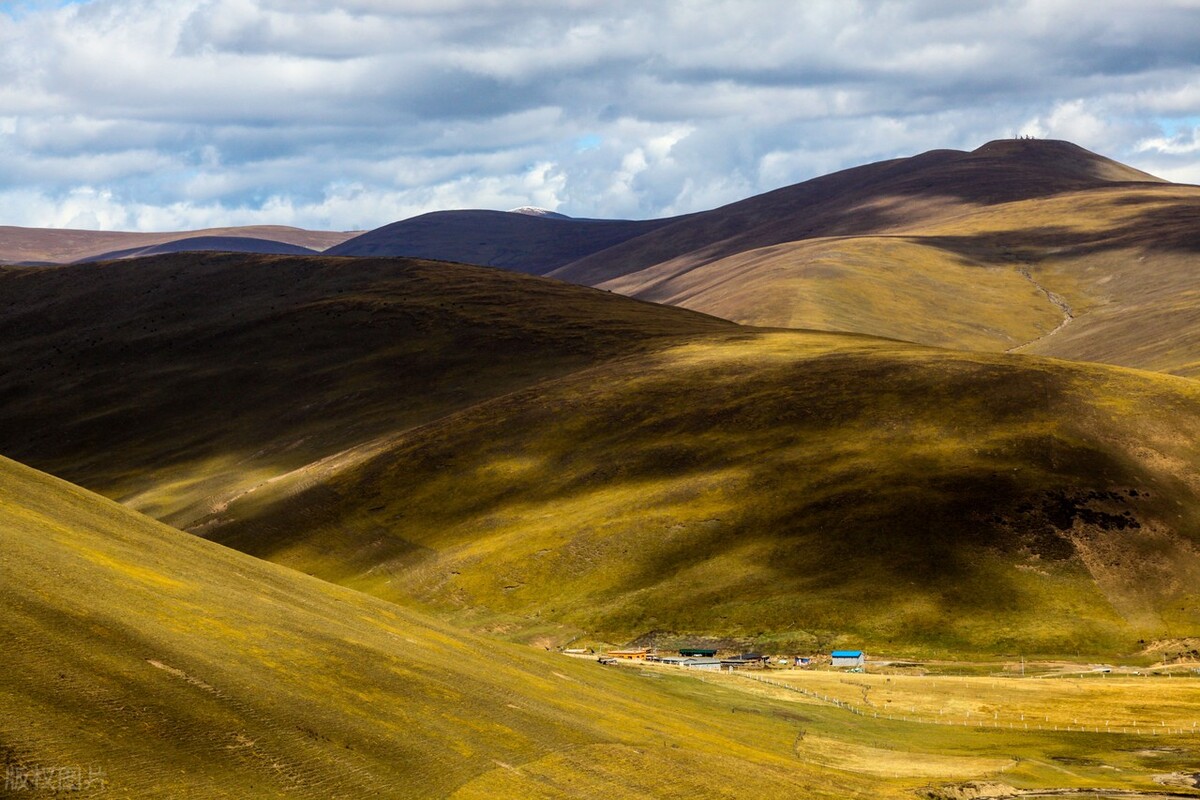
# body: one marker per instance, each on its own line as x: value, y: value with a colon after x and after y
x: 155, y: 114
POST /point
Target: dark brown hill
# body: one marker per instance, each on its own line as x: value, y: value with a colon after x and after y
x: 217, y: 244
x: 63, y: 245
x: 514, y: 241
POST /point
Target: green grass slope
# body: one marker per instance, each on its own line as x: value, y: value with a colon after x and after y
x: 173, y: 383
x: 144, y: 662
x: 801, y: 489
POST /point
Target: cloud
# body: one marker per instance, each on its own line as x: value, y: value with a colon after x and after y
x: 184, y: 113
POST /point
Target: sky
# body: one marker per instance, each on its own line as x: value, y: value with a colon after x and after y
x: 186, y: 114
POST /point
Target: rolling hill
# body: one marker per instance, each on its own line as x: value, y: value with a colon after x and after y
x: 784, y: 489
x: 220, y: 244
x: 867, y: 200
x: 143, y: 662
x: 175, y: 381
x: 1037, y: 245
x: 547, y: 461
x: 520, y: 241
x: 64, y: 246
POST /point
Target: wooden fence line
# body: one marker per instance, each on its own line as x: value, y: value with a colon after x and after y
x: 1160, y: 730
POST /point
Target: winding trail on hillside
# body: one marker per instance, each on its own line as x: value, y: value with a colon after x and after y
x: 1056, y: 299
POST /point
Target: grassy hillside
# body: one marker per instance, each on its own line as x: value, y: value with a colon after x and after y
x: 545, y: 460
x: 175, y: 382
x: 1123, y: 260
x: 864, y: 200
x: 800, y: 490
x: 989, y: 250
x: 896, y: 287
x: 167, y: 666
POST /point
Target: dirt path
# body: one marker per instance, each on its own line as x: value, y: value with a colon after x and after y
x: 1055, y: 299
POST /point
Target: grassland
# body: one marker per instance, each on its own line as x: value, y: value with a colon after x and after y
x: 1016, y: 734
x: 893, y: 287
x: 159, y: 664
x: 546, y: 462
x: 471, y: 458
x: 788, y: 489
x: 167, y: 666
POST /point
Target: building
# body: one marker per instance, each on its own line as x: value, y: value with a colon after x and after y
x: 629, y: 655
x: 745, y: 661
x: 690, y: 662
x: 671, y: 661
x: 848, y: 658
x: 698, y: 652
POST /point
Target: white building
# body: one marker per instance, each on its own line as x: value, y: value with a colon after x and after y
x: 848, y: 658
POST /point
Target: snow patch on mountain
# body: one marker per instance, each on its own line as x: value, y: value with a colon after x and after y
x: 534, y: 211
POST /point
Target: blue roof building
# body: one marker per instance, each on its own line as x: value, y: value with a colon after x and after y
x: 848, y: 658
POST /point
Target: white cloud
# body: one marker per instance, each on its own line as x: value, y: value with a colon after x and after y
x: 183, y: 113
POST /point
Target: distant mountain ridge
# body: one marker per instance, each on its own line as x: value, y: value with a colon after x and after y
x: 223, y: 244
x: 518, y: 241
x: 1034, y: 245
x: 64, y: 245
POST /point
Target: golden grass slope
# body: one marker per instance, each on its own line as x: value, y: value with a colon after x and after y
x: 899, y: 288
x: 177, y: 382
x: 150, y: 663
x: 797, y: 490
x: 990, y: 250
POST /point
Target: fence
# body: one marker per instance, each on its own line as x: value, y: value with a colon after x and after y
x: 995, y: 723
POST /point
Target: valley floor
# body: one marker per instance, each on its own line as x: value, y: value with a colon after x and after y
x: 944, y: 735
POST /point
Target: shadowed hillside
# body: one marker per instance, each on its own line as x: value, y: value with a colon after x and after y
x: 176, y: 381
x: 801, y: 489
x: 142, y: 662
x: 517, y: 241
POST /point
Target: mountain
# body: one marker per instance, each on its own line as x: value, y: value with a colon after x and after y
x: 146, y: 663
x: 178, y: 380
x: 62, y: 246
x: 1033, y: 245
x: 514, y: 240
x: 535, y: 211
x: 545, y: 460
x: 222, y: 244
x: 867, y: 200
